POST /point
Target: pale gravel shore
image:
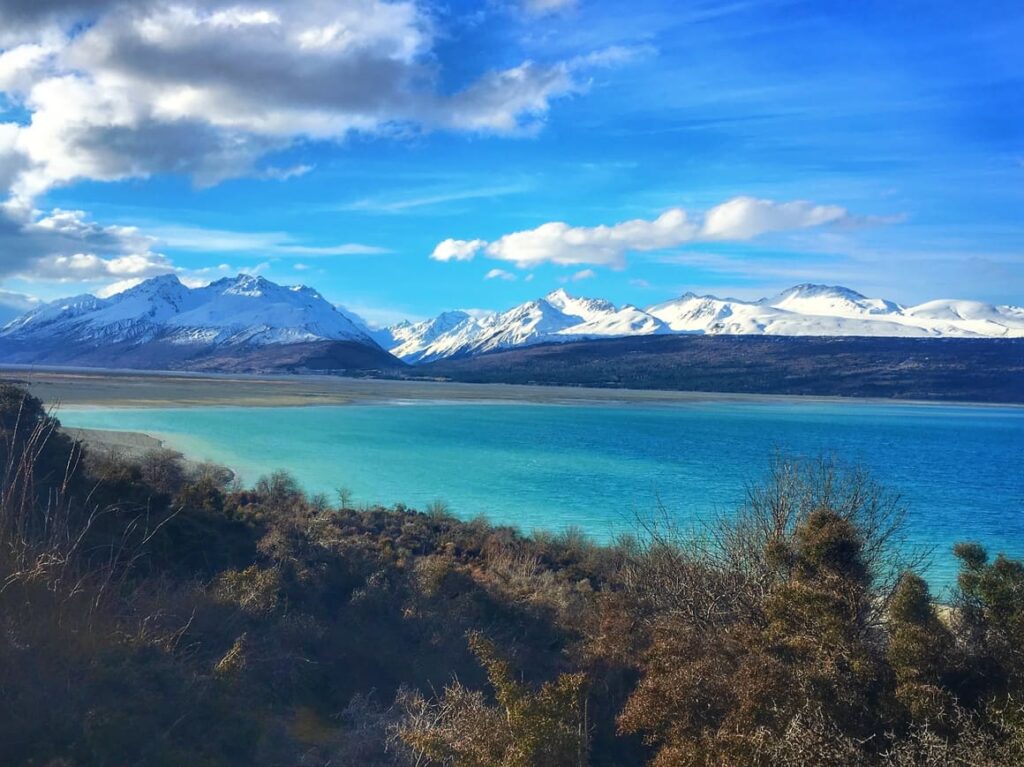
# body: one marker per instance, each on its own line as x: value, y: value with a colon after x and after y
x: 134, y: 445
x: 108, y: 388
x: 130, y: 442
x: 144, y: 389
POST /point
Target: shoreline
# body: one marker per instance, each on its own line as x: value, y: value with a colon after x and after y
x: 85, y: 388
x: 134, y: 445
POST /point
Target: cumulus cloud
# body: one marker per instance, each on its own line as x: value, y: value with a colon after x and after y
x: 559, y: 243
x: 209, y: 87
x: 67, y: 246
x: 583, y: 274
x: 741, y: 218
x: 86, y: 267
x: 15, y: 304
x: 457, y: 250
x: 12, y: 161
x: 499, y: 274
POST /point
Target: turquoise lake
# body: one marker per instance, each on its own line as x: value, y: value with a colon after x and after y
x: 958, y: 468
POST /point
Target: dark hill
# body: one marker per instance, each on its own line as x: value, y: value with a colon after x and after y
x: 950, y: 369
x: 315, y: 356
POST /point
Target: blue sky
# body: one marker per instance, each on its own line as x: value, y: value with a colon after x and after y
x: 893, y: 131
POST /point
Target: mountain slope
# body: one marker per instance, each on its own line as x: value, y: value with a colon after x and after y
x: 246, y: 320
x: 940, y: 369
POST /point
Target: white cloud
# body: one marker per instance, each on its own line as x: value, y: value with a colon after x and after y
x: 559, y: 243
x: 437, y: 197
x: 280, y: 244
x: 499, y: 274
x: 115, y: 90
x: 583, y: 274
x: 740, y: 218
x: 15, y: 304
x: 541, y: 7
x: 67, y: 246
x: 283, y: 174
x: 21, y: 64
x: 12, y: 161
x: 208, y: 87
x: 507, y: 101
x: 743, y: 218
x: 457, y: 250
x: 84, y: 267
x: 118, y: 287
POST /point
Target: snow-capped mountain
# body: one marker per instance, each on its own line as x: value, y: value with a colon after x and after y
x: 831, y: 301
x: 163, y: 320
x: 161, y: 323
x: 555, y: 317
x: 240, y: 310
x: 803, y: 310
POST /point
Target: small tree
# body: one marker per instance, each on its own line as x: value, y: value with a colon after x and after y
x: 344, y: 498
x: 767, y: 631
x: 920, y: 649
x: 991, y: 611
x: 527, y: 728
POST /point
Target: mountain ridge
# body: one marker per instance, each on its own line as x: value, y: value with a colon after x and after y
x: 249, y: 320
x: 163, y: 323
x: 804, y: 310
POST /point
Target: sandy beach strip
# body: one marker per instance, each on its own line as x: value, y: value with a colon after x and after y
x: 134, y: 446
x: 145, y: 389
x: 149, y: 389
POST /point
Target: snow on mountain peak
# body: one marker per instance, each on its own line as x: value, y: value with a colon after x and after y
x: 585, y: 308
x: 246, y: 309
x: 831, y: 301
x: 817, y: 290
x: 803, y: 310
x: 247, y: 285
x: 249, y: 310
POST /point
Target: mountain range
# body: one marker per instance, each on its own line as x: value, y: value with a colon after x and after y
x: 250, y: 323
x: 232, y: 324
x: 803, y: 310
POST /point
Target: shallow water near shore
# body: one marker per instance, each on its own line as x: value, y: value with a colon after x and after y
x: 958, y: 468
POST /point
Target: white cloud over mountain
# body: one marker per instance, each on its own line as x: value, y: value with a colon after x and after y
x: 66, y: 245
x: 500, y: 274
x: 741, y: 218
x: 457, y: 250
x: 113, y: 90
x: 208, y: 87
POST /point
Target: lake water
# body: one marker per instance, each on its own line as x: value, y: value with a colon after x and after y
x: 959, y: 469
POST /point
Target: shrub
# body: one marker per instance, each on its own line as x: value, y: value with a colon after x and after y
x: 526, y: 728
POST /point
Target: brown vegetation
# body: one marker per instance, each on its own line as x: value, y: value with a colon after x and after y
x: 153, y: 616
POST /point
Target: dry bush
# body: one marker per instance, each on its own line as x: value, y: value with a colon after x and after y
x: 255, y: 590
x: 525, y: 728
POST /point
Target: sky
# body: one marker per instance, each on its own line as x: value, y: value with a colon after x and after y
x: 406, y: 158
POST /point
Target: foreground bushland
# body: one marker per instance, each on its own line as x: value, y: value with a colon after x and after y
x: 154, y: 616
